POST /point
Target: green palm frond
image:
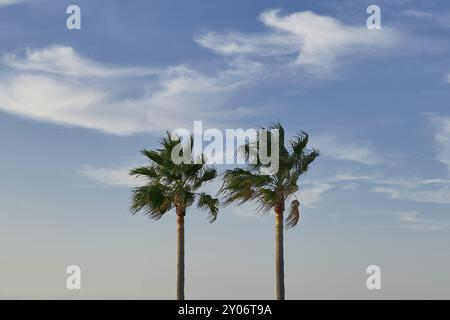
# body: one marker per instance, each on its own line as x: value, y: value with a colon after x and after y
x: 308, y: 157
x: 153, y: 156
x: 277, y: 126
x: 152, y: 200
x: 242, y: 185
x: 266, y: 199
x: 145, y: 172
x: 207, y: 173
x: 210, y: 204
x: 299, y: 143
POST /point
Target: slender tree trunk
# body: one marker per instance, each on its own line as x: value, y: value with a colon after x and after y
x: 180, y: 253
x: 279, y: 252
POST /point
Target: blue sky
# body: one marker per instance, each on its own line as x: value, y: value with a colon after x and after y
x: 76, y: 106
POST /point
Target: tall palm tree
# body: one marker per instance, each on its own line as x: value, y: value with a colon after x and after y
x: 169, y: 185
x: 273, y: 190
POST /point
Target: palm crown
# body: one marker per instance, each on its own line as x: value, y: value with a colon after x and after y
x: 169, y: 185
x: 271, y: 191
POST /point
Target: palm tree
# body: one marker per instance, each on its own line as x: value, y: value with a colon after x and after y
x: 273, y: 190
x: 169, y: 185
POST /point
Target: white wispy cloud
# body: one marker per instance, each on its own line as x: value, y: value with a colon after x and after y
x: 118, y: 177
x: 413, y: 220
x: 412, y: 182
x: 312, y: 190
x: 346, y: 149
x: 311, y: 193
x: 348, y: 177
x: 442, y: 138
x: 4, y: 3
x: 63, y: 60
x: 441, y: 18
x: 58, y: 85
x: 408, y: 216
x: 438, y: 195
x: 235, y: 43
x: 318, y: 42
x: 425, y: 190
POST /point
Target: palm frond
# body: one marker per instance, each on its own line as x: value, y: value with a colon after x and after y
x: 294, y: 215
x: 299, y: 143
x: 144, y: 171
x: 308, y: 159
x: 151, y: 200
x: 154, y: 156
x: 207, y: 173
x: 210, y: 204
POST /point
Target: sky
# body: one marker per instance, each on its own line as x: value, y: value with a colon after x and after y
x: 77, y: 106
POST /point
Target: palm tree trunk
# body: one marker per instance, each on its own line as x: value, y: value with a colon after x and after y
x: 279, y: 252
x: 180, y: 254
